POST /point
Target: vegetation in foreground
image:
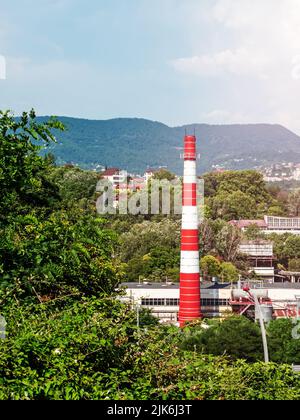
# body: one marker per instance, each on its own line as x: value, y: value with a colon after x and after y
x: 92, y: 349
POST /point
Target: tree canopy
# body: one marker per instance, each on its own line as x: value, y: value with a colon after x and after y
x: 234, y: 195
x: 22, y: 177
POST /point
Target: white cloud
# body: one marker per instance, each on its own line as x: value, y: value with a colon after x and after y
x: 258, y: 43
x: 264, y: 36
x: 238, y: 62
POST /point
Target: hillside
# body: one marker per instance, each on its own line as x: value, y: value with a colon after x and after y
x: 135, y: 144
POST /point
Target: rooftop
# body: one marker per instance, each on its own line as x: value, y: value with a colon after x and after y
x: 282, y: 286
x: 111, y: 172
x: 289, y: 273
x: 148, y: 286
x: 269, y: 222
x: 256, y: 242
x: 209, y: 285
x: 243, y: 224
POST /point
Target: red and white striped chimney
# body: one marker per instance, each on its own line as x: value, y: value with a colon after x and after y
x: 190, y: 297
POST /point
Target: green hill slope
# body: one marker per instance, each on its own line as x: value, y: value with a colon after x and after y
x: 135, y: 144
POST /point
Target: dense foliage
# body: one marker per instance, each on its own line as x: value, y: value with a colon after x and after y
x: 22, y: 172
x: 151, y: 250
x: 75, y: 186
x: 240, y: 338
x: 92, y: 349
x: 234, y: 195
x: 60, y: 255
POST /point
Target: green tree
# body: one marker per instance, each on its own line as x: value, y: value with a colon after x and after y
x: 236, y: 336
x: 143, y: 237
x: 138, y: 268
x: 160, y: 263
x: 61, y: 255
x: 294, y: 203
x: 292, y: 247
x: 207, y: 234
x: 210, y: 266
x: 238, y: 194
x: 228, y: 272
x: 283, y: 347
x: 228, y: 240
x: 279, y: 242
x: 234, y: 206
x: 146, y: 319
x: 22, y: 179
x: 164, y: 257
x: 76, y: 187
x: 253, y: 233
x: 163, y: 174
x: 294, y: 265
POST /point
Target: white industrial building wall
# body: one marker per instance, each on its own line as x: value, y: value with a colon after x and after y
x: 168, y: 293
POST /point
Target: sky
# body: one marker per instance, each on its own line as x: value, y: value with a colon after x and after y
x: 174, y: 61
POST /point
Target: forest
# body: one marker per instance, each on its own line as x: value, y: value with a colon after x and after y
x: 69, y: 336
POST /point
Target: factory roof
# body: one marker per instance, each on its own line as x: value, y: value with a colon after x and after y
x: 210, y: 285
x: 290, y: 273
x: 243, y: 224
x: 281, y: 286
x: 149, y: 285
x: 256, y: 242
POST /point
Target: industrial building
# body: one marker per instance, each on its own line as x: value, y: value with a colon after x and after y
x: 163, y: 299
x: 271, y: 224
x: 217, y: 300
x: 260, y: 257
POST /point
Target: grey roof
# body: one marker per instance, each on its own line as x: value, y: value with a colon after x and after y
x: 206, y: 285
x: 209, y: 285
x: 285, y: 285
x: 290, y: 273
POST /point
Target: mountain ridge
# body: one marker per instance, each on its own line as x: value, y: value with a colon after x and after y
x: 137, y: 143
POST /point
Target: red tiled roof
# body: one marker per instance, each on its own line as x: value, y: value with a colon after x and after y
x: 111, y: 172
x: 283, y: 313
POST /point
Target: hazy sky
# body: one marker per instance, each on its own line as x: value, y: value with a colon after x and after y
x: 176, y: 61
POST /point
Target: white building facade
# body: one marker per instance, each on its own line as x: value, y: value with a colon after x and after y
x: 216, y: 300
x: 261, y: 258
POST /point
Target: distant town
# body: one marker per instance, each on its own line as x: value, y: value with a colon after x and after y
x: 281, y: 172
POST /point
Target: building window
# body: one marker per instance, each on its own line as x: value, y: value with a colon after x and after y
x: 214, y: 302
x: 172, y: 302
x: 176, y: 302
x: 153, y: 302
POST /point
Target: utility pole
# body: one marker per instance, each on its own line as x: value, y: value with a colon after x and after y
x: 263, y: 330
x: 138, y: 316
x: 262, y: 325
